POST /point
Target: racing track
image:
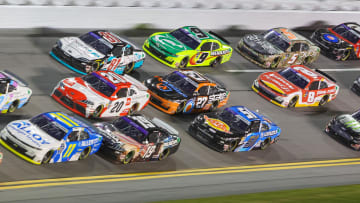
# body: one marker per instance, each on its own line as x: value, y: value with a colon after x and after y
x: 302, y: 138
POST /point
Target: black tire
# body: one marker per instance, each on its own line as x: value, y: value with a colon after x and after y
x: 133, y: 109
x: 233, y: 144
x: 128, y: 68
x: 214, y: 106
x: 180, y: 108
x: 128, y: 157
x: 97, y: 111
x: 274, y: 64
x: 292, y: 102
x: 346, y: 55
x: 216, y: 62
x: 47, y: 157
x: 164, y: 154
x: 265, y: 144
x: 184, y: 62
x: 323, y: 100
x: 85, y: 153
x: 13, y: 107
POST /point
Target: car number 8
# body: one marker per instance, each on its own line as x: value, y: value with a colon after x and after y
x: 311, y: 97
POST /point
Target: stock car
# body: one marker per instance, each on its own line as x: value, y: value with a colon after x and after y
x: 50, y: 138
x: 97, y: 50
x: 346, y: 128
x: 101, y: 94
x: 235, y: 129
x: 296, y: 86
x: 186, y: 91
x: 356, y: 86
x: 278, y: 47
x: 136, y: 138
x: 341, y: 42
x: 188, y: 46
x: 14, y: 92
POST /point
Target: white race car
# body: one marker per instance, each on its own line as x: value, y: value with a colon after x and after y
x: 14, y: 93
x: 102, y: 94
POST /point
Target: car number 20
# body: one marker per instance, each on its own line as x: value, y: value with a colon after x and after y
x: 117, y: 107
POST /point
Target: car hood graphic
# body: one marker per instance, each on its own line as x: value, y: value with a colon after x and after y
x: 260, y: 45
x: 31, y: 135
x: 167, y: 90
x: 169, y: 43
x: 279, y: 84
x: 76, y: 48
x: 83, y: 91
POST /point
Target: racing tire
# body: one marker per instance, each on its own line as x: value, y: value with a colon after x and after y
x: 128, y: 157
x: 98, y: 111
x: 274, y: 64
x: 307, y: 60
x: 180, y: 108
x: 46, y: 159
x: 85, y: 153
x: 265, y: 144
x: 214, y: 106
x: 12, y: 107
x: 183, y: 62
x: 133, y: 109
x: 128, y: 68
x: 346, y: 55
x: 216, y: 62
x: 292, y: 102
x: 323, y: 100
x: 164, y: 154
x: 233, y: 144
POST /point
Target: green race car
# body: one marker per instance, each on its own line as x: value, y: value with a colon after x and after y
x: 188, y: 46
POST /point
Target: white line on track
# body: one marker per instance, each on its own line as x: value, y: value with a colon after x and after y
x: 326, y: 70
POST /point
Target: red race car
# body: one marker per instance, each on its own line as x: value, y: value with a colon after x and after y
x: 296, y: 86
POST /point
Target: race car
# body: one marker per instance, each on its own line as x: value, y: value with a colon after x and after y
x: 101, y: 94
x: 136, y: 138
x: 235, y: 129
x: 98, y: 50
x: 186, y: 91
x: 278, y: 47
x: 14, y: 92
x: 296, y: 86
x: 356, y: 86
x: 341, y: 42
x: 50, y: 138
x: 346, y: 128
x: 188, y: 46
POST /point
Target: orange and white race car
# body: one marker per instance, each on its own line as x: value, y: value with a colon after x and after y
x: 102, y: 94
x: 296, y: 86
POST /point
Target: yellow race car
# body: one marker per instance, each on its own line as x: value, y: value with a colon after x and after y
x: 188, y: 46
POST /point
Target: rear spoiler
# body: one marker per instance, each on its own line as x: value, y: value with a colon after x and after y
x: 14, y: 77
x: 164, y: 125
x: 326, y: 75
x: 220, y: 37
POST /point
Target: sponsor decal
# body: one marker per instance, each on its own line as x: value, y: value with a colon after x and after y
x: 217, y: 124
x: 23, y: 128
x: 110, y: 37
x: 330, y: 38
x: 86, y: 143
x: 162, y: 87
x: 217, y: 53
x: 270, y: 133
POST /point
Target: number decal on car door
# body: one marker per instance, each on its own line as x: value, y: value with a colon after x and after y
x: 201, y: 101
x: 202, y: 57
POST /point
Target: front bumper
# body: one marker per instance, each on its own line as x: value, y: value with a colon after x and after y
x: 251, y: 55
x: 163, y: 105
x: 267, y: 94
x: 68, y: 61
x: 150, y: 49
x: 69, y: 104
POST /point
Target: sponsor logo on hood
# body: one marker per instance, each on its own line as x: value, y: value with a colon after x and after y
x: 25, y: 128
x: 278, y: 83
x: 217, y: 124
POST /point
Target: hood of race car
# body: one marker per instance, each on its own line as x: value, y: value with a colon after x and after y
x: 165, y: 89
x: 330, y: 39
x: 169, y: 43
x: 279, y: 84
x: 76, y: 48
x: 31, y: 135
x: 260, y: 45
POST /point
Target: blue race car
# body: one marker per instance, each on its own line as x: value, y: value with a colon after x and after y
x: 236, y: 129
x: 51, y: 137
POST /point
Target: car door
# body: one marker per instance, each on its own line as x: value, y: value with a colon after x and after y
x: 3, y: 93
x: 294, y: 53
x: 202, y: 97
x: 71, y: 144
x: 121, y: 102
x: 304, y: 52
x: 202, y: 54
x: 252, y: 136
x: 311, y: 92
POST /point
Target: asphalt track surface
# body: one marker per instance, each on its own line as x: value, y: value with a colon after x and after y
x: 302, y: 137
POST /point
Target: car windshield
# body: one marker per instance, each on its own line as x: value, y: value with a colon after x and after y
x: 129, y: 128
x: 185, y: 37
x: 294, y: 77
x: 185, y: 84
x: 347, y: 33
x: 96, y: 42
x: 49, y: 126
x: 275, y: 39
x: 99, y: 84
x: 235, y: 121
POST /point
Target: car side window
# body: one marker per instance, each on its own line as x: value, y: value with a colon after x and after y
x: 128, y: 51
x: 3, y: 87
x: 213, y: 90
x: 254, y: 127
x: 154, y: 137
x: 264, y: 127
x: 117, y: 51
x: 296, y: 47
x: 314, y: 85
x: 122, y: 93
x: 323, y: 85
x: 304, y: 47
x: 11, y: 88
x: 204, y: 90
x: 73, y: 136
x: 132, y: 92
x: 206, y: 46
x: 215, y: 46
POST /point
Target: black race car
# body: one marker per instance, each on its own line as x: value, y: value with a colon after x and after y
x: 346, y: 128
x: 356, y: 86
x: 340, y: 42
x: 136, y: 138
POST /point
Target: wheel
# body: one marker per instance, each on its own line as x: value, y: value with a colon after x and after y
x: 85, y: 153
x: 275, y: 63
x: 164, y: 154
x: 346, y: 55
x: 265, y: 144
x: 47, y: 157
x: 97, y: 111
x: 233, y: 144
x: 214, y: 106
x: 129, y: 67
x: 180, y: 108
x: 323, y: 100
x: 128, y: 157
x: 307, y: 60
x: 183, y: 62
x: 12, y: 107
x: 132, y: 110
x: 292, y: 102
x: 215, y: 62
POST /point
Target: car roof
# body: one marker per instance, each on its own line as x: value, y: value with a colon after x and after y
x: 353, y: 26
x: 307, y: 72
x: 244, y: 112
x: 295, y: 35
x: 190, y: 28
x: 109, y: 37
x: 66, y: 121
x: 195, y: 76
x: 112, y: 79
